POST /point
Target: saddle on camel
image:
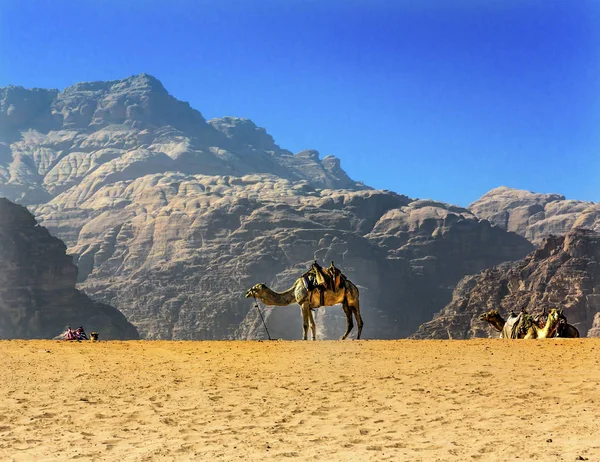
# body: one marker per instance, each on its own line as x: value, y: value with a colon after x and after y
x: 317, y: 278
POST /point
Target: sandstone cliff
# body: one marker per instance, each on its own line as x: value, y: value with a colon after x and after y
x: 171, y: 217
x: 564, y: 272
x: 535, y: 216
x: 37, y: 285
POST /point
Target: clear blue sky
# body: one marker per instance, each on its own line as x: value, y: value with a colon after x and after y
x: 440, y: 99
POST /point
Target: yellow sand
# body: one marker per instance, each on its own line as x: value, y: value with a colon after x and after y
x: 326, y: 401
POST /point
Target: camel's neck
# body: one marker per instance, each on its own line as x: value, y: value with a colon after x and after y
x: 548, y: 329
x: 270, y: 297
x: 497, y: 323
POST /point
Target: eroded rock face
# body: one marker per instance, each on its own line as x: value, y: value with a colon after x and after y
x: 171, y: 218
x: 37, y: 285
x: 121, y: 130
x: 178, y: 257
x: 564, y: 272
x: 536, y: 216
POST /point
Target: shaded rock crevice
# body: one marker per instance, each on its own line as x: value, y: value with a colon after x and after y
x: 38, y: 298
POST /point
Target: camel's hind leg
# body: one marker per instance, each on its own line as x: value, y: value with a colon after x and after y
x: 349, y: 322
x: 359, y: 322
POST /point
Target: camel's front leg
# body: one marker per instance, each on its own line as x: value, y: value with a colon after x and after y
x: 313, y: 327
x: 305, y: 320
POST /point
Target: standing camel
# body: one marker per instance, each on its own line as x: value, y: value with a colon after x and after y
x: 346, y: 294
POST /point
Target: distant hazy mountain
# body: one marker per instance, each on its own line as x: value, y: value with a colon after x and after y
x: 171, y: 218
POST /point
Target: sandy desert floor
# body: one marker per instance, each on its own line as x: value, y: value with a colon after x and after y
x: 324, y: 400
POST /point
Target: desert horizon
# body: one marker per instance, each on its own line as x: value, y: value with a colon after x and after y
x: 425, y: 400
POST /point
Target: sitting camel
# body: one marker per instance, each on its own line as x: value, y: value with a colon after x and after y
x: 494, y: 319
x: 564, y: 329
x: 549, y: 329
x: 508, y: 328
x: 522, y: 325
x: 345, y: 293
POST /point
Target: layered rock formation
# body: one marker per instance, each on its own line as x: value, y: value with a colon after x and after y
x: 536, y: 216
x: 37, y: 285
x: 171, y: 218
x: 564, y: 272
x: 101, y: 132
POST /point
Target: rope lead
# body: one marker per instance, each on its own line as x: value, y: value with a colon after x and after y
x: 261, y: 317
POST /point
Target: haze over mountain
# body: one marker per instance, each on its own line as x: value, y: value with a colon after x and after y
x: 171, y: 217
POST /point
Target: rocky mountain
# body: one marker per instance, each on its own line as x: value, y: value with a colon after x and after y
x: 101, y: 132
x: 170, y: 217
x: 535, y: 216
x: 37, y: 285
x: 564, y: 272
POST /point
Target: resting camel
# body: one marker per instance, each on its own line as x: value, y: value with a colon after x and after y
x: 346, y: 294
x: 508, y: 328
x: 549, y: 329
x: 494, y: 319
x: 511, y: 329
x: 564, y: 329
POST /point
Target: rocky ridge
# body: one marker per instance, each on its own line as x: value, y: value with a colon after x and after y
x: 102, y: 132
x: 535, y: 216
x: 38, y: 298
x: 564, y: 272
x: 170, y: 217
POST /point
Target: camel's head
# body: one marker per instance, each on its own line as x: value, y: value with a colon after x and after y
x: 255, y: 290
x: 554, y: 316
x: 490, y: 316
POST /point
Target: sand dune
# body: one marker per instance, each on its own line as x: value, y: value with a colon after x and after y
x: 327, y: 401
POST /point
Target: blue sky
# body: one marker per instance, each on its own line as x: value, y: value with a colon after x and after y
x: 433, y: 99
